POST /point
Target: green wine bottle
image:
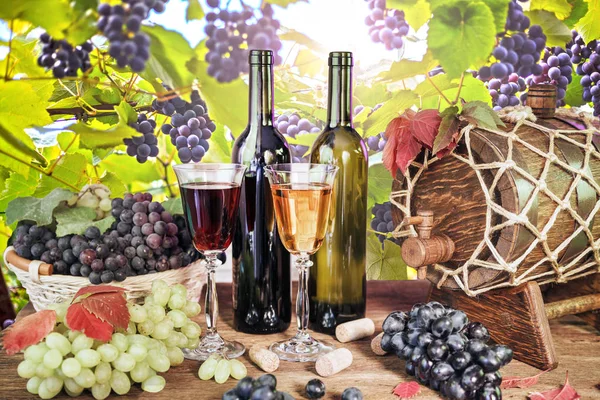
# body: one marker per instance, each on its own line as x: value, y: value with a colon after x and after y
x: 337, y: 283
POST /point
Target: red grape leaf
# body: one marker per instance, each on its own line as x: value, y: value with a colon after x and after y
x: 29, y: 331
x: 389, y: 151
x: 92, y: 289
x: 407, y: 390
x: 447, y: 134
x: 566, y: 392
x: 425, y: 125
x: 518, y: 382
x: 80, y: 319
x: 408, y: 149
x: 109, y: 307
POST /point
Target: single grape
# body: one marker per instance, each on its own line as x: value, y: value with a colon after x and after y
x: 208, y: 368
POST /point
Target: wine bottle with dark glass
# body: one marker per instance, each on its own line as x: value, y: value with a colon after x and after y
x: 261, y: 265
x: 337, y: 283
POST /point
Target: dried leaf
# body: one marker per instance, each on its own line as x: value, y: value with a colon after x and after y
x: 480, y: 114
x: 389, y: 154
x: 29, y: 331
x: 80, y: 319
x: 97, y: 289
x: 408, y: 149
x: 566, y: 392
x: 424, y: 126
x: 407, y: 390
x: 518, y: 382
x: 447, y: 133
x: 109, y: 307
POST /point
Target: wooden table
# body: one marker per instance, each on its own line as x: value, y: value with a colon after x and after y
x: 578, y: 347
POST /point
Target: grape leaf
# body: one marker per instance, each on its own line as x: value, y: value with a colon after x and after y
x: 448, y: 131
x: 407, y: 390
x: 480, y: 114
x: 408, y: 68
x: 116, y: 186
x: 461, y: 34
x: 220, y: 147
x: 173, y: 206
x: 76, y: 220
x: 402, y: 146
x: 380, y: 183
x: 69, y: 171
x: 400, y: 101
x: 98, y: 289
x: 407, y: 150
x: 308, y: 62
x: 300, y: 38
x: 561, y: 8
x: 510, y: 382
x: 557, y: 33
x: 29, y: 331
x: 127, y: 169
x: 424, y: 126
x: 17, y: 186
x: 16, y: 145
x: 384, y: 263
x: 566, y: 392
x: 389, y: 154
x: 80, y: 319
x: 416, y: 12
x: 588, y: 25
x: 109, y: 307
x: 53, y: 16
x: 92, y: 138
x: 574, y: 95
x: 194, y: 11
x: 38, y: 210
x: 499, y: 9
x: 472, y: 89
x: 442, y: 83
x: 580, y: 8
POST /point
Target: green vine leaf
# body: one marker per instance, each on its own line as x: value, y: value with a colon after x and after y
x: 561, y: 8
x: 384, y: 263
x: 380, y: 182
x: 480, y: 114
x: 574, y: 95
x: 588, y: 25
x: 416, y: 12
x: 448, y: 131
x: 127, y: 169
x: 557, y: 33
x: 407, y: 69
x: 91, y: 138
x: 54, y: 16
x: 220, y: 147
x: 173, y: 205
x: 116, y: 186
x: 76, y: 220
x: 18, y: 186
x: 194, y: 11
x: 400, y: 101
x: 70, y: 172
x: 499, y: 9
x: 580, y: 8
x: 38, y: 210
x: 16, y: 143
x: 461, y: 34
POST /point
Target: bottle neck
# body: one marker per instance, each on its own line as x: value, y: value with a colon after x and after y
x: 339, y: 100
x: 261, y: 95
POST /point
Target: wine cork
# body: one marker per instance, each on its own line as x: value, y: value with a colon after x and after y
x: 334, y: 362
x: 354, y: 330
x: 376, y: 345
x: 264, y: 359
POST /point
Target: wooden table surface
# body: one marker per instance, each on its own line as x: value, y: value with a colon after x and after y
x: 578, y: 348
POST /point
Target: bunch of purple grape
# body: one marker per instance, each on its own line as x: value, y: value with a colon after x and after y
x: 190, y: 126
x: 121, y: 25
x: 63, y: 58
x: 588, y: 58
x: 516, y: 20
x: 232, y: 33
x: 557, y: 70
x: 387, y: 26
x: 146, y: 145
x: 505, y: 94
x: 382, y: 221
x: 377, y: 142
x: 291, y: 126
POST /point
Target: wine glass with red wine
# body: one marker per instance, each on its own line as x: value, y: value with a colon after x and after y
x: 301, y: 198
x: 210, y: 194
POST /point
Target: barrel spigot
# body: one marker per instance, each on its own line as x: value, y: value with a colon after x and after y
x: 425, y: 249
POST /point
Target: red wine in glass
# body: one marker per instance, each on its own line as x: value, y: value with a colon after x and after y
x: 210, y: 210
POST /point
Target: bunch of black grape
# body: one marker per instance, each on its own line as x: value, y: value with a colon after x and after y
x: 263, y: 387
x: 382, y: 221
x: 146, y: 145
x: 588, y: 57
x: 557, y: 70
x: 121, y: 25
x: 231, y: 34
x: 377, y: 142
x: 387, y: 26
x: 63, y: 58
x: 505, y: 94
x: 30, y: 241
x: 190, y: 126
x: 292, y: 125
x: 446, y: 352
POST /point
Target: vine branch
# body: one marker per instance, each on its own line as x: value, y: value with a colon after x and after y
x: 438, y: 89
x: 460, y: 85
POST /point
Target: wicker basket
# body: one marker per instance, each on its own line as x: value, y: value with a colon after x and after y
x: 44, y: 290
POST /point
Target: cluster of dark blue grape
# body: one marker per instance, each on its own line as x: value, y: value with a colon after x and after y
x: 382, y: 221
x: 190, y: 126
x: 516, y: 20
x: 232, y: 33
x: 587, y: 58
x: 377, y: 142
x: 557, y: 70
x: 263, y: 387
x: 121, y: 25
x: 146, y: 145
x: 62, y: 58
x: 291, y: 125
x: 446, y: 352
x: 144, y: 239
x: 505, y: 94
x: 386, y: 26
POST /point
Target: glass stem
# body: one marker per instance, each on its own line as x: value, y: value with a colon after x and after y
x: 211, y: 302
x: 303, y: 263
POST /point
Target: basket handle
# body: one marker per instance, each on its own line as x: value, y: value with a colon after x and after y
x: 11, y: 256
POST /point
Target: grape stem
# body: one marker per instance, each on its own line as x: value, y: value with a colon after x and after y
x: 438, y: 89
x: 12, y: 24
x: 460, y: 84
x: 51, y: 169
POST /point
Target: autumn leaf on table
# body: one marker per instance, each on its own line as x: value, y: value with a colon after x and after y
x: 407, y: 390
x: 424, y: 126
x: 78, y: 318
x: 447, y: 135
x: 29, y: 331
x: 510, y: 382
x: 566, y: 392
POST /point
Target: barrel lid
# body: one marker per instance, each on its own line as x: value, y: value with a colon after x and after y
x: 340, y: 58
x: 260, y: 57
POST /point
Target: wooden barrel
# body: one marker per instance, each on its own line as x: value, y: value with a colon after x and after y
x: 542, y: 100
x: 452, y: 189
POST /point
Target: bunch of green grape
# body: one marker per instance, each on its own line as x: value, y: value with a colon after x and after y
x: 221, y: 369
x: 152, y: 343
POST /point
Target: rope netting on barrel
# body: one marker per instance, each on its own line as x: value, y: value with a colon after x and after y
x: 585, y: 263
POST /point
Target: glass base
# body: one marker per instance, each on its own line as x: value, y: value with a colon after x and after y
x: 301, y: 348
x: 211, y: 344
